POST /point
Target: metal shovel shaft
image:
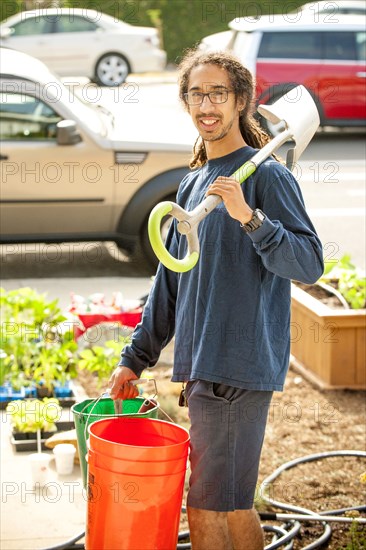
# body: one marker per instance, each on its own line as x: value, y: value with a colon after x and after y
x: 266, y: 151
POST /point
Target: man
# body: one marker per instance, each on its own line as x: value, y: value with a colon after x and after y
x: 231, y: 313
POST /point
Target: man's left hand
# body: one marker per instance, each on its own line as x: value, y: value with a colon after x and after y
x: 120, y: 387
x: 231, y: 193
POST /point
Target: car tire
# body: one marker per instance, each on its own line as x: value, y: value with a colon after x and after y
x: 145, y: 253
x: 111, y: 70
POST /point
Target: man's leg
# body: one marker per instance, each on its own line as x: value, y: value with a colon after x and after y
x: 208, y: 530
x: 238, y: 530
x: 227, y: 430
x: 245, y: 530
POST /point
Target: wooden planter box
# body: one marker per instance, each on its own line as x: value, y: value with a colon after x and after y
x: 328, y: 346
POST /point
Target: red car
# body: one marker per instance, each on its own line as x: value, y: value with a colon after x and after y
x: 327, y: 57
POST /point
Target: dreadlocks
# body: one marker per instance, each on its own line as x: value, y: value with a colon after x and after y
x: 242, y: 84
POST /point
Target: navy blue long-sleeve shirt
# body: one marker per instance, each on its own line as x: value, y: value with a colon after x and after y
x: 231, y: 313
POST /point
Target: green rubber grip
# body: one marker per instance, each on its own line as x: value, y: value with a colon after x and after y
x: 244, y: 171
x: 179, y: 266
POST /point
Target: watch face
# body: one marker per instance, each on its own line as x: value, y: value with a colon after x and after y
x: 260, y: 215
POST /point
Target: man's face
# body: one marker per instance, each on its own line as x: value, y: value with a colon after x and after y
x: 214, y: 121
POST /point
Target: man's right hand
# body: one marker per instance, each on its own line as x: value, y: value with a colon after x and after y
x: 119, y: 383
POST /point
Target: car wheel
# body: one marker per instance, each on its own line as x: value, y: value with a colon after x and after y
x: 111, y: 70
x: 145, y: 252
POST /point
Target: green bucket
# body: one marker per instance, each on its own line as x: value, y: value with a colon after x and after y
x: 91, y: 410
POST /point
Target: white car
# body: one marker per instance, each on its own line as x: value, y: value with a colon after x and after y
x: 66, y: 174
x: 81, y: 42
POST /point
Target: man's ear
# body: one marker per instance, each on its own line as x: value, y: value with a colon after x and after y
x: 240, y: 103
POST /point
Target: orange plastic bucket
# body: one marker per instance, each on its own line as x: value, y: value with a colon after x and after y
x: 136, y: 475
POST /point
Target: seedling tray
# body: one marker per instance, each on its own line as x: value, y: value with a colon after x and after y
x: 67, y: 401
x: 13, y: 396
x: 29, y: 443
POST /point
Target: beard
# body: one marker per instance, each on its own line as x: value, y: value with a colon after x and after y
x: 221, y: 134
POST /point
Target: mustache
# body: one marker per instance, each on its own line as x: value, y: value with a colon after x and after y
x: 208, y: 115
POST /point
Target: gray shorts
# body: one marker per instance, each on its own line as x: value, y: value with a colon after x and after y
x: 227, y: 432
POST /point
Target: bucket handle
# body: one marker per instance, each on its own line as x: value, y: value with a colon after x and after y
x: 96, y: 400
x: 166, y: 414
x: 86, y: 420
x: 107, y: 394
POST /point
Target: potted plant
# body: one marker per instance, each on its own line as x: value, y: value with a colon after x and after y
x: 11, y: 385
x: 101, y: 360
x: 25, y: 308
x: 328, y: 323
x: 39, y: 355
x: 54, y: 366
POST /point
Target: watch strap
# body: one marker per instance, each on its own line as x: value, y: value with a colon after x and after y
x: 256, y: 221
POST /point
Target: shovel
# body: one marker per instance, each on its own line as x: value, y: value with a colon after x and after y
x: 300, y: 115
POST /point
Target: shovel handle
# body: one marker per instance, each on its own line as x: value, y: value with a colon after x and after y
x: 188, y: 223
x: 174, y: 264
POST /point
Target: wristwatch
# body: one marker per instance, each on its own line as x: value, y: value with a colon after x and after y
x: 256, y: 221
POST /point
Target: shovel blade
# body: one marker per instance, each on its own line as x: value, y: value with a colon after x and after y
x: 300, y: 114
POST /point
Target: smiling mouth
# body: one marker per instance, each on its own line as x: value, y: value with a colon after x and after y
x: 208, y: 123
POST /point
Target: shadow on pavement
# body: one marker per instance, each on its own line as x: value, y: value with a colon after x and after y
x: 41, y: 260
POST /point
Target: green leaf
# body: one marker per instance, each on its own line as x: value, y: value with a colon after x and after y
x: 87, y: 354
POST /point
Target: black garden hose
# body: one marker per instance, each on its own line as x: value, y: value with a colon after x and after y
x: 327, y: 532
x: 69, y: 544
x: 286, y: 533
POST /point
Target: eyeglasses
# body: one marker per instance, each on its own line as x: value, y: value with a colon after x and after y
x: 216, y: 96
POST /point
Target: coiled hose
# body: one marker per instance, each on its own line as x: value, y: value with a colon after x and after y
x: 292, y: 522
x: 286, y: 533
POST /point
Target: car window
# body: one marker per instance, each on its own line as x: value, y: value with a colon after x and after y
x: 351, y: 11
x: 26, y: 117
x: 290, y: 45
x: 361, y: 46
x: 340, y: 45
x: 70, y: 23
x: 33, y: 25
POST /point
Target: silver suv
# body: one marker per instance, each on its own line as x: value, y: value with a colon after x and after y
x: 65, y: 175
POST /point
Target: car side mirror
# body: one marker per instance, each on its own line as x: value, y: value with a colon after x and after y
x: 67, y: 133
